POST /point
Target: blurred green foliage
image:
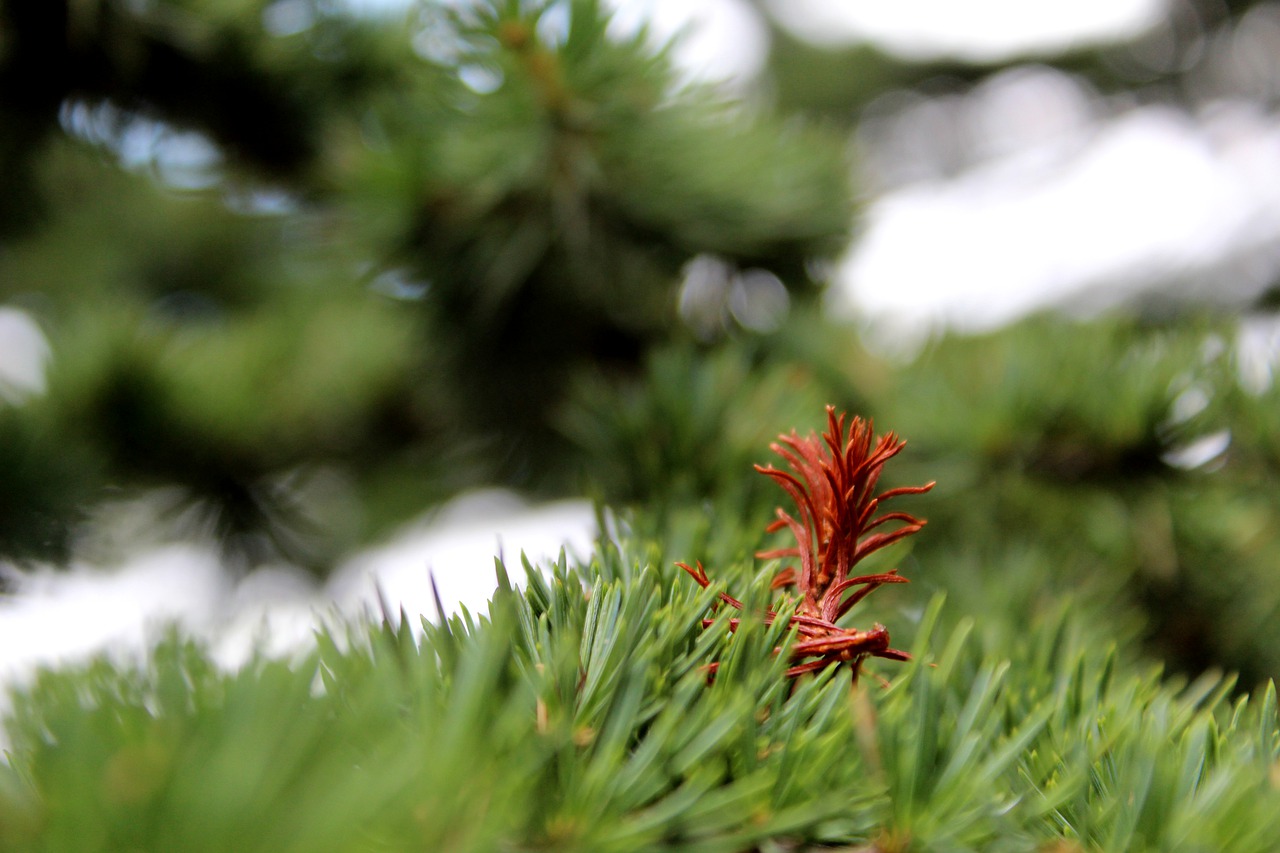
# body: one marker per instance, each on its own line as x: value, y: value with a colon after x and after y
x: 266, y: 237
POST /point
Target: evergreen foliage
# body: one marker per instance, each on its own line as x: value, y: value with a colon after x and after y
x: 461, y: 211
x: 577, y: 715
x: 305, y: 274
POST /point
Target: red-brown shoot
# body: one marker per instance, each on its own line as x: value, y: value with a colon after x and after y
x: 832, y: 483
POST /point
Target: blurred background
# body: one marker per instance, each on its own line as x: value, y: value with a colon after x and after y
x: 302, y: 298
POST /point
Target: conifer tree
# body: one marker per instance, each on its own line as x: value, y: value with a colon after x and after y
x: 305, y: 274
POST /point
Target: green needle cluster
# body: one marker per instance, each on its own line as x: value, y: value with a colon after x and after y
x: 576, y: 715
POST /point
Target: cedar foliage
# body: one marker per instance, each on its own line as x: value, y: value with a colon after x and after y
x: 570, y: 721
x: 305, y: 274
